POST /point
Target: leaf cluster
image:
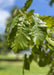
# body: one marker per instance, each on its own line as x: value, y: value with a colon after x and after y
x: 26, y: 30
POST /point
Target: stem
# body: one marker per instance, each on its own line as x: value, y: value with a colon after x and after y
x: 23, y: 66
x: 23, y: 69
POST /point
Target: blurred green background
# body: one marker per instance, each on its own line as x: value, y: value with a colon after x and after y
x: 10, y: 65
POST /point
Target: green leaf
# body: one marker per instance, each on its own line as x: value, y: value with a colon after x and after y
x: 49, y: 20
x: 28, y: 4
x: 21, y: 39
x: 12, y: 35
x: 50, y: 41
x: 14, y: 22
x: 38, y: 32
x: 30, y: 13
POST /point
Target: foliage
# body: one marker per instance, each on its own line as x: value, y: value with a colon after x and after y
x: 49, y: 20
x: 23, y: 31
x: 50, y: 28
x: 50, y: 38
x: 26, y: 30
